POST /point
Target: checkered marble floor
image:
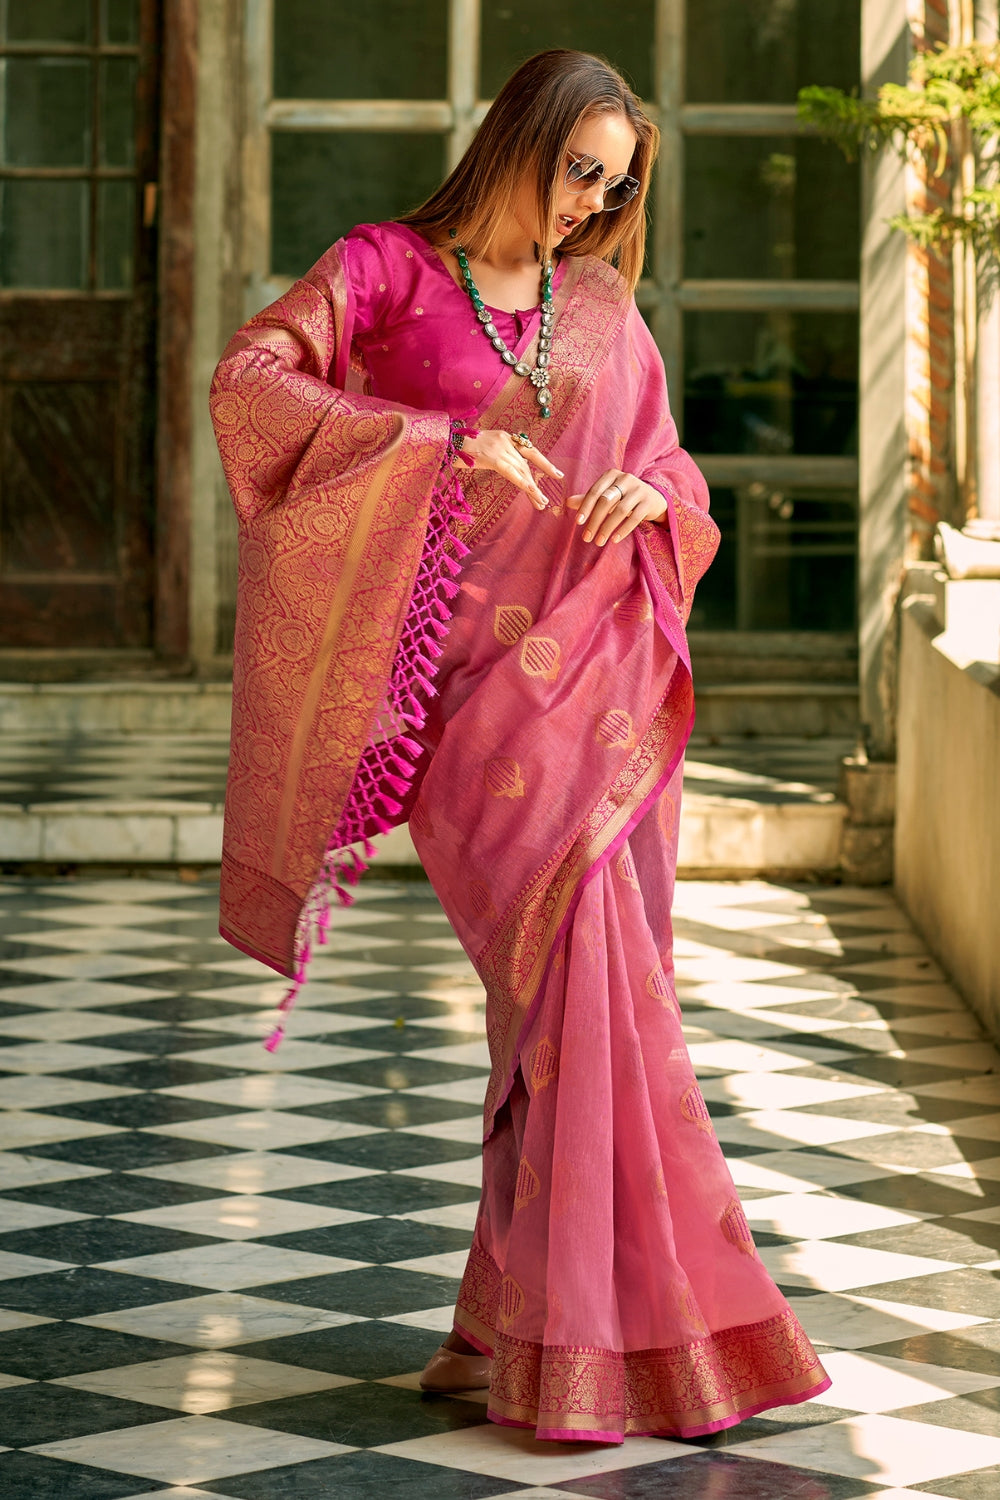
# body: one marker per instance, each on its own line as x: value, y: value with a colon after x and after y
x: 221, y: 1271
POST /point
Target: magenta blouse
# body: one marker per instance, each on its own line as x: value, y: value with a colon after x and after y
x: 417, y: 329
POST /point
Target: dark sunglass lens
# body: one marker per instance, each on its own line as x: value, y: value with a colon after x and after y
x: 584, y: 173
x: 620, y: 193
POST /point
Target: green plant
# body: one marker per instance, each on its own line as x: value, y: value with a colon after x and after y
x: 950, y: 105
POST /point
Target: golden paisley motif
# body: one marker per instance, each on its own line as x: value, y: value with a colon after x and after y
x: 510, y: 621
x: 540, y: 657
x: 695, y: 1110
x: 544, y: 1065
x: 634, y: 610
x: 481, y: 901
x: 625, y: 868
x: 511, y: 1301
x: 528, y: 1185
x: 503, y: 778
x: 615, y: 729
x: 735, y: 1228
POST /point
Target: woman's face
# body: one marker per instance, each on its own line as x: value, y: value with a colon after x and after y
x: 611, y: 139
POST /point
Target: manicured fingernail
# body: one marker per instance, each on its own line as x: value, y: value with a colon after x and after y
x: 582, y: 521
x: 561, y: 474
x: 586, y: 536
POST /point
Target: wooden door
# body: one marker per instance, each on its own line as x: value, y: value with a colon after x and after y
x: 78, y: 152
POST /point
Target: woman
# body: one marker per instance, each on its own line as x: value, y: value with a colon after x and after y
x: 526, y: 709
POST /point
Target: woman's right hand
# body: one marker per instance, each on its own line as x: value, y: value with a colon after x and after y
x: 496, y: 450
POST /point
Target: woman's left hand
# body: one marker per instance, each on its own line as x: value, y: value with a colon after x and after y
x: 614, y: 506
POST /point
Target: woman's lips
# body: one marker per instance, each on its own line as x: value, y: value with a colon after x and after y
x: 566, y: 225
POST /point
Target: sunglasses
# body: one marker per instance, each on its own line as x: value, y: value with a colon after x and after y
x: 586, y: 172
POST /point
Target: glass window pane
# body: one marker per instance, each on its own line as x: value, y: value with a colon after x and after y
x: 764, y: 51
x: 118, y: 112
x: 115, y: 235
x: 622, y: 33
x: 47, y: 112
x: 787, y: 561
x: 796, y: 203
x: 49, y: 20
x: 392, y: 50
x: 43, y: 234
x: 771, y: 382
x: 324, y: 184
x: 120, y: 21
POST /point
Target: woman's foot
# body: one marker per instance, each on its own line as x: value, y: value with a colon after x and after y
x: 457, y: 1366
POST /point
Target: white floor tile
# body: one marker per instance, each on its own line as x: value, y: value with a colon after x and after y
x: 68, y: 1025
x: 14, y: 1266
x: 16, y: 1215
x: 259, y: 1172
x: 468, y: 1128
x: 205, y: 1382
x: 815, y: 1216
x: 465, y: 1055
x: 271, y: 1091
x: 78, y: 994
x: 801, y: 1171
x: 466, y: 1172
x: 112, y: 913
x: 852, y: 1322
x: 435, y: 1319
x: 9, y: 1320
x: 22, y: 1129
x: 838, y: 1268
x: 262, y: 1130
x: 289, y: 1057
x: 513, y: 1454
x: 879, y: 1383
x: 101, y: 939
x: 450, y: 1263
x: 229, y: 1266
x: 62, y: 1057
x: 447, y: 1215
x: 18, y: 1171
x: 745, y: 1057
x: 236, y: 1217
x: 878, y: 1448
x: 781, y: 1128
x: 219, y: 1320
x: 40, y: 1091
x: 778, y: 1091
x: 462, y: 1091
x: 188, y: 1450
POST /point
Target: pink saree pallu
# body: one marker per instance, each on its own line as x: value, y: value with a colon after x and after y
x: 612, y: 1277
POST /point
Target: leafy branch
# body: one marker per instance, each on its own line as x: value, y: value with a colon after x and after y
x: 946, y: 86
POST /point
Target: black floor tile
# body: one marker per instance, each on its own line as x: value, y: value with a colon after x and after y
x: 371, y: 1292
x: 976, y: 1348
x: 394, y: 1110
x: 156, y: 1072
x: 378, y: 1240
x: 386, y: 1194
x: 86, y: 1241
x: 391, y: 1007
x: 947, y: 1239
x: 982, y: 1484
x: 84, y: 1291
x: 164, y: 1040
x: 922, y: 1193
x: 365, y: 1351
x: 395, y: 1072
x: 389, y: 1152
x: 360, y: 1476
x: 135, y: 1111
x: 173, y: 1010
x: 966, y: 1291
x: 362, y: 1416
x: 49, y: 1350
x: 979, y: 1411
x: 129, y: 1150
x: 40, y: 1413
x: 721, y: 1476
x: 115, y: 1193
x: 393, y: 1038
x: 30, y: 1476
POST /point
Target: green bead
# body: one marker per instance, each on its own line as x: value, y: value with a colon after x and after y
x: 545, y: 411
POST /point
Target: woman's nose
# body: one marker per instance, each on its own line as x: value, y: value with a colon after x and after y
x: 593, y: 198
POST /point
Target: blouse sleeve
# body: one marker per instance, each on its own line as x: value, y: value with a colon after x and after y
x: 369, y: 276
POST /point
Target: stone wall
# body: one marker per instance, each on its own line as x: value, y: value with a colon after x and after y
x: 948, y: 794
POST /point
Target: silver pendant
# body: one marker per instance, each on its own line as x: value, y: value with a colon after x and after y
x: 522, y: 369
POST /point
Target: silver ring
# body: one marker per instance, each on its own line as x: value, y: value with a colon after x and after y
x: 620, y: 495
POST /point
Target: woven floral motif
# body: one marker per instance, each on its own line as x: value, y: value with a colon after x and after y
x: 683, y: 1391
x: 625, y: 868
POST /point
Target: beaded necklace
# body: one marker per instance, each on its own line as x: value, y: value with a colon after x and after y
x: 539, y: 375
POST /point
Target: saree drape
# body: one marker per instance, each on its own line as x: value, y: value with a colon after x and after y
x: 612, y: 1276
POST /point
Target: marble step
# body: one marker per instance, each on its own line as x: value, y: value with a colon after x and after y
x: 750, y: 806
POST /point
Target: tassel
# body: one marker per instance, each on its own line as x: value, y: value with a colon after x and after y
x: 344, y: 897
x: 381, y: 825
x: 397, y: 783
x: 392, y: 807
x: 273, y: 1042
x: 453, y: 567
x: 450, y: 588
x: 285, y: 1004
x: 412, y: 746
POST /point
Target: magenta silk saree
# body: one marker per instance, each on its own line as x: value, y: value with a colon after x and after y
x: 408, y: 647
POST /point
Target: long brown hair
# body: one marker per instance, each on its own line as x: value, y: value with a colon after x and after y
x: 525, y: 135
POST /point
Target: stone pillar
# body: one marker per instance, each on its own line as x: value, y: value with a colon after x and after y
x: 218, y: 311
